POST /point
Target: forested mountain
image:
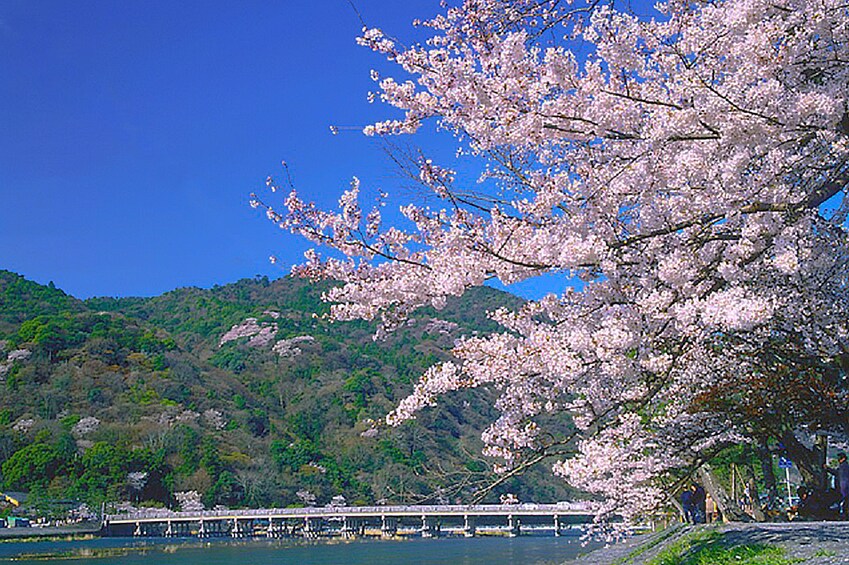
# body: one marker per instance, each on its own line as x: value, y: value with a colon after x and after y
x: 239, y: 392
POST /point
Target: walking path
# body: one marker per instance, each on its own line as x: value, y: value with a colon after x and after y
x: 814, y: 543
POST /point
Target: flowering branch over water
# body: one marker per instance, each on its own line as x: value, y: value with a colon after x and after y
x: 690, y: 170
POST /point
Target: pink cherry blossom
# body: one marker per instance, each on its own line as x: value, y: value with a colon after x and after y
x: 677, y: 165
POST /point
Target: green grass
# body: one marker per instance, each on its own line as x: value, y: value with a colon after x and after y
x: 708, y: 548
x: 652, y: 542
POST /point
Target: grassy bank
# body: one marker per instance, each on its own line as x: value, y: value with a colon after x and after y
x: 708, y: 547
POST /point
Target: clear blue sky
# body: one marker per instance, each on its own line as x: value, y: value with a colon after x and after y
x: 131, y: 133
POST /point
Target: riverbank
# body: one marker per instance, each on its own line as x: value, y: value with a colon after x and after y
x: 75, y: 531
x: 808, y: 543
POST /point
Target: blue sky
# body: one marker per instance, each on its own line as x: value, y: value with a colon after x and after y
x: 133, y: 132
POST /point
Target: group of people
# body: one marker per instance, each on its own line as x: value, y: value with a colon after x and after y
x: 694, y: 503
x: 827, y: 504
x: 814, y: 504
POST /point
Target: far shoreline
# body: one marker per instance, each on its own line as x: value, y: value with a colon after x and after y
x: 77, y: 532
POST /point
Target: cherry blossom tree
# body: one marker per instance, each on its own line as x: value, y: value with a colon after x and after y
x: 686, y: 168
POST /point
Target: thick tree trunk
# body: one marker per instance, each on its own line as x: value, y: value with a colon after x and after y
x: 769, y: 474
x: 821, y: 453
x: 757, y: 508
x: 808, y: 461
x: 748, y: 477
x: 677, y: 504
x: 727, y: 507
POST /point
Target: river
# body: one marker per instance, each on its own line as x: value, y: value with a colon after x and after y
x: 524, y: 550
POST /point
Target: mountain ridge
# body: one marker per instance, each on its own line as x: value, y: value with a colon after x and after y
x: 114, y: 388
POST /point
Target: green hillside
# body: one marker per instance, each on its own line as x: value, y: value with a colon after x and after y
x: 138, y: 398
x: 21, y: 300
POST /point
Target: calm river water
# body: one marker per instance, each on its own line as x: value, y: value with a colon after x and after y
x: 524, y: 550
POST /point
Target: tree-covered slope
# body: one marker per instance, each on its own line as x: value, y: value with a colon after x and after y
x: 138, y: 398
x: 21, y: 299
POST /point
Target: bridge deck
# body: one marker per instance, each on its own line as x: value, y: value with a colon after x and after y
x: 564, y: 510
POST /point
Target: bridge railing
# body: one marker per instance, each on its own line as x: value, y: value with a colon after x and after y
x: 164, y: 514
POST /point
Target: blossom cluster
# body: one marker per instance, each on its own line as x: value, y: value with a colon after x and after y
x: 18, y: 355
x: 690, y: 170
x: 189, y: 501
x: 444, y: 327
x: 173, y: 415
x: 11, y: 358
x: 289, y: 347
x: 306, y: 497
x: 136, y: 480
x: 23, y: 425
x: 85, y: 426
x: 214, y: 419
x: 261, y: 334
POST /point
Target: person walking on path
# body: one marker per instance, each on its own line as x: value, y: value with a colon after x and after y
x: 842, y: 476
x: 699, y: 501
x: 687, y: 505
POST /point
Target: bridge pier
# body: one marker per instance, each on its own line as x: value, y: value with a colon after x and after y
x: 430, y: 527
x: 352, y: 527
x: 212, y: 528
x: 388, y: 526
x: 469, y: 524
x: 556, y: 525
x: 276, y: 530
x: 287, y: 530
x: 312, y: 527
x: 238, y: 530
x: 515, y: 526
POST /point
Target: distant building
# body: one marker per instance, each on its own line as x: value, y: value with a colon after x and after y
x: 17, y: 522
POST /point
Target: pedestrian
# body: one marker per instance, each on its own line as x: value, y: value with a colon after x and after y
x: 712, y: 510
x: 687, y: 505
x: 699, y: 501
x: 841, y: 475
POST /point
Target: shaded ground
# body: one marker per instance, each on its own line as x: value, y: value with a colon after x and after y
x: 813, y: 543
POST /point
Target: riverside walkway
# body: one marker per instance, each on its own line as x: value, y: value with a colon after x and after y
x: 808, y: 543
x: 353, y: 521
